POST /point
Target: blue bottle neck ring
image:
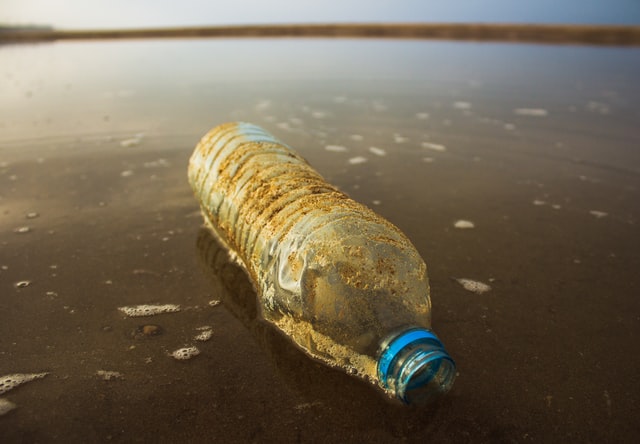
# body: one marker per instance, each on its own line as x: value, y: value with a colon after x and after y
x: 415, y: 366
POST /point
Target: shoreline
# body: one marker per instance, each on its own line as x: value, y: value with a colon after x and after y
x: 608, y: 35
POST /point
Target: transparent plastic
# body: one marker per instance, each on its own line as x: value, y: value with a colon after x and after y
x: 341, y: 281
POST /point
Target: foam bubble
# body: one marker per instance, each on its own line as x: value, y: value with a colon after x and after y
x: 461, y: 105
x: 109, y: 375
x: 434, y: 146
x: 356, y: 160
x: 532, y: 112
x: 149, y: 310
x: 206, y: 332
x: 377, y: 151
x: 9, y: 382
x: 397, y: 138
x: 473, y: 286
x: 6, y: 406
x: 598, y: 214
x: 335, y: 148
x: 463, y: 224
x: 185, y: 353
x: 134, y: 141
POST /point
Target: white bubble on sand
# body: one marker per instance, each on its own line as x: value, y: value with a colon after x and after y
x: 538, y: 202
x: 214, y: 302
x: 434, y: 146
x: 22, y: 284
x: 428, y: 159
x: 9, y: 382
x: 336, y: 148
x: 598, y: 107
x: 126, y: 173
x: 461, y: 105
x: 6, y: 406
x: 149, y: 310
x: 159, y: 163
x: 356, y: 137
x: 377, y: 151
x: 22, y: 230
x: 133, y: 141
x: 319, y: 114
x: 185, y: 353
x: 463, y: 224
x: 397, y: 138
x: 422, y: 116
x: 262, y: 105
x: 473, y: 286
x: 531, y: 112
x: 357, y: 160
x: 206, y: 332
x: 109, y: 375
x: 598, y: 214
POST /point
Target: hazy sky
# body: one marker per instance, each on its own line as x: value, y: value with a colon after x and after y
x: 148, y: 13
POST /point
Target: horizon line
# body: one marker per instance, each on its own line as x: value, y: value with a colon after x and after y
x: 612, y: 35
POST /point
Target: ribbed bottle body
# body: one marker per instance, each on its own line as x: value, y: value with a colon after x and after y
x: 332, y: 274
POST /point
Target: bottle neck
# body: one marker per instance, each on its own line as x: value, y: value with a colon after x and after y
x: 415, y: 366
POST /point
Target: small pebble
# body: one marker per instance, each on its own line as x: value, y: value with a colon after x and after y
x: 146, y: 331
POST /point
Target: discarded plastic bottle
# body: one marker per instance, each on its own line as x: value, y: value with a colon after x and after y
x: 344, y: 284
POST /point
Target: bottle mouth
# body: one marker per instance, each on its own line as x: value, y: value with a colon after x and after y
x: 415, y: 366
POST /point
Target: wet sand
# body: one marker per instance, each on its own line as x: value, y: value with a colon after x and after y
x: 536, y: 146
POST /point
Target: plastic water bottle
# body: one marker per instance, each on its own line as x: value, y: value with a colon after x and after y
x: 340, y: 281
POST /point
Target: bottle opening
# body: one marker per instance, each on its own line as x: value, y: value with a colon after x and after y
x: 415, y: 366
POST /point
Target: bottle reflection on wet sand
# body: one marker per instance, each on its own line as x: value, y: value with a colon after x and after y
x: 314, y: 382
